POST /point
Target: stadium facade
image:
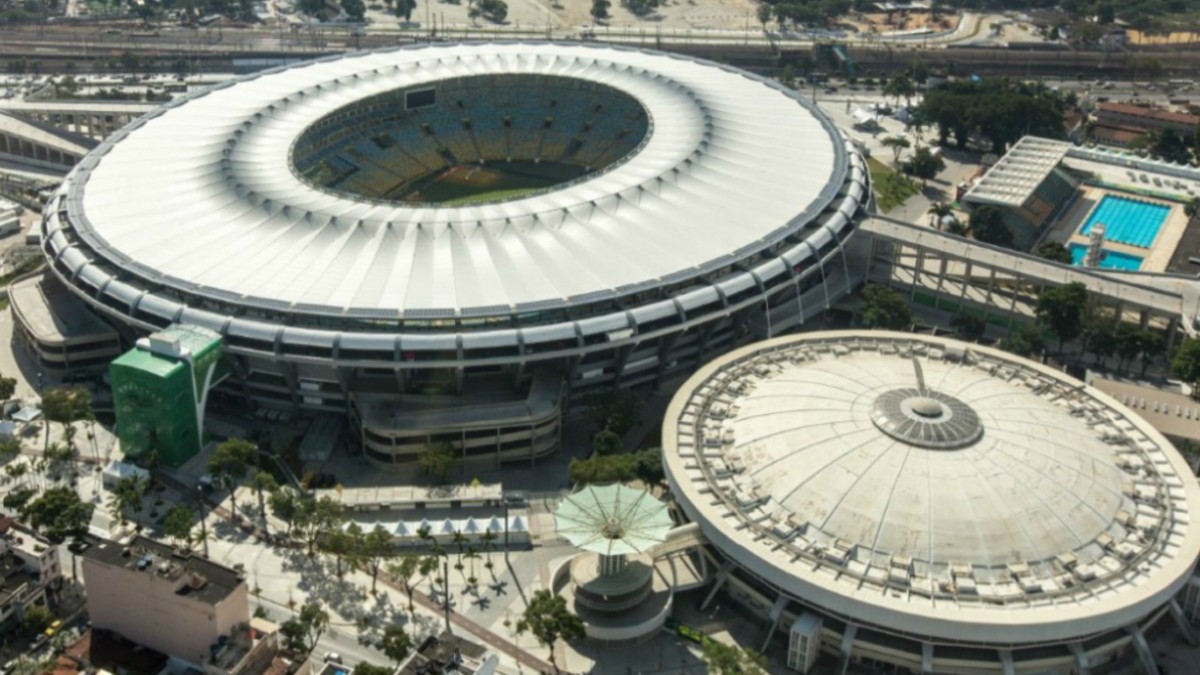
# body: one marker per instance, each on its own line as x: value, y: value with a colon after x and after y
x: 926, y: 505
x: 665, y: 209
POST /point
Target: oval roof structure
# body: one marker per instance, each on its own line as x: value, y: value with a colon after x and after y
x: 933, y: 487
x: 202, y: 195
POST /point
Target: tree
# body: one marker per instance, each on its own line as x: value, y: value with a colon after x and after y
x: 395, y: 643
x: 264, y: 482
x: 548, y: 619
x: 884, y: 308
x: 723, y: 659
x: 764, y: 14
x: 403, y: 571
x: 987, y: 225
x: 600, y: 9
x: 1061, y: 309
x: 900, y: 86
x: 341, y: 544
x: 8, y: 387
x: 285, y: 504
x: 178, y: 523
x: 606, y: 442
x: 897, y: 144
x: 377, y: 545
x: 127, y: 495
x: 19, y: 500
x: 938, y: 211
x: 36, y: 618
x: 1055, y: 252
x: 1192, y: 207
x: 229, y: 464
x: 1129, y: 343
x: 364, y: 668
x: 925, y: 165
x: 968, y: 326
x: 1026, y: 340
x: 648, y: 466
x: 354, y: 9
x: 66, y: 405
x: 316, y: 516
x: 437, y: 460
x: 59, y: 514
x: 315, y: 620
x: 405, y: 8
x: 1186, y: 364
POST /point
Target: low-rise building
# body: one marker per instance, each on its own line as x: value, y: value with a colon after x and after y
x: 192, y: 609
x: 448, y: 653
x: 30, y: 572
x: 1125, y: 115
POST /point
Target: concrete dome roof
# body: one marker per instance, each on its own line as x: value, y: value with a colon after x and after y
x: 959, y: 491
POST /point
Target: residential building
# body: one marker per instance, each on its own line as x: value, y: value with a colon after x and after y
x: 447, y: 653
x: 30, y: 569
x: 1146, y: 118
x: 187, y: 607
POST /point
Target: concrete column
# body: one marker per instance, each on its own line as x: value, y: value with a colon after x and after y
x: 1145, y: 654
x: 718, y: 583
x: 1185, y: 626
x: 847, y: 648
x: 1082, y: 667
x: 926, y: 658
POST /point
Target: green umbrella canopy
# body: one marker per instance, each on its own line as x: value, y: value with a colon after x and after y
x: 612, y: 520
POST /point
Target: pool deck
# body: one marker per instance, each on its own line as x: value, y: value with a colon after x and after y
x: 1155, y: 258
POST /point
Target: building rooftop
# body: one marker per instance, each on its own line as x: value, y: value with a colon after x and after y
x: 446, y: 653
x: 55, y: 315
x: 948, y: 487
x: 1172, y: 413
x: 148, y: 362
x: 1149, y: 113
x: 202, y: 580
x: 259, y: 235
x: 1012, y: 180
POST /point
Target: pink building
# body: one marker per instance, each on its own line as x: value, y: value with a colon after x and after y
x: 176, y: 603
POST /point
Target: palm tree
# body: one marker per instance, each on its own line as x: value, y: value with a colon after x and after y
x: 459, y: 540
x: 488, y: 538
x: 897, y: 144
x: 938, y: 212
x: 1192, y: 207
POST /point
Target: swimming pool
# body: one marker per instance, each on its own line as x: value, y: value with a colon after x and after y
x: 1128, y: 221
x: 1112, y: 260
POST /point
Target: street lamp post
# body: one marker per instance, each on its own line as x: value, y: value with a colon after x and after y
x: 203, y: 524
x: 446, y: 597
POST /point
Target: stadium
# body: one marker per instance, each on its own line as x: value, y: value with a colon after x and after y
x: 447, y: 242
x: 920, y: 504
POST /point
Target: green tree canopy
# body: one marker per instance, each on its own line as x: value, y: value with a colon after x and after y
x: 968, y: 326
x: 178, y: 523
x: 999, y: 109
x: 606, y: 442
x: 1186, y: 364
x: 884, y: 308
x: 229, y: 464
x: 395, y: 643
x: 60, y: 514
x: 548, y: 619
x: 1061, y: 310
x: 723, y: 659
x: 987, y: 225
x: 926, y: 165
x: 437, y: 460
x: 1026, y: 340
x: 1055, y: 252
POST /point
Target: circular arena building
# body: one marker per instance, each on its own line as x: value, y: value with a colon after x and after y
x: 928, y: 505
x: 447, y: 240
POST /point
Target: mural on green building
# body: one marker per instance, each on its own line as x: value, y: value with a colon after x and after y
x: 160, y: 388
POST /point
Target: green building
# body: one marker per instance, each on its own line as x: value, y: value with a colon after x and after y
x: 159, y: 391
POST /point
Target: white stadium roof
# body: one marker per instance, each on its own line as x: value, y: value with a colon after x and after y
x: 202, y: 196
x: 998, y: 502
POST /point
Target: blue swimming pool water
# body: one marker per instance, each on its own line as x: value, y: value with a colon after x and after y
x: 1113, y: 260
x: 1128, y: 221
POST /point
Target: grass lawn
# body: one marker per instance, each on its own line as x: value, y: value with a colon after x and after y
x: 891, y: 187
x: 487, y: 196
